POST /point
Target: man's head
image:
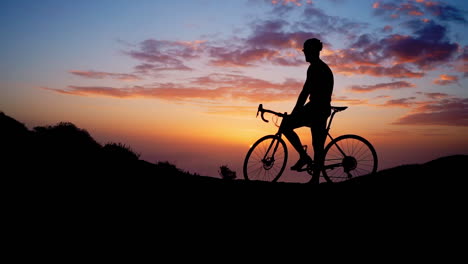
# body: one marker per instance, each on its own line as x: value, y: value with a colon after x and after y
x: 312, y: 48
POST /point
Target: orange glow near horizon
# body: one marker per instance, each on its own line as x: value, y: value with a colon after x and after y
x: 225, y: 138
x: 184, y: 84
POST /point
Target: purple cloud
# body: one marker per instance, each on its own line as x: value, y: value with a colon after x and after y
x: 226, y: 57
x: 163, y: 55
x: 269, y: 42
x: 447, y: 112
x: 402, y: 102
x: 316, y: 20
x: 381, y: 86
x: 461, y: 63
x: 445, y: 79
x: 103, y: 75
x: 409, y: 55
x: 435, y: 95
x: 225, y: 86
x: 407, y: 9
x: 427, y: 49
x: 444, y: 11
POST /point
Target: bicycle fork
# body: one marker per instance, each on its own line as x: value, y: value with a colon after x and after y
x: 267, y: 160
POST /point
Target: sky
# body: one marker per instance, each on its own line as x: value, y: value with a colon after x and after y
x: 180, y: 81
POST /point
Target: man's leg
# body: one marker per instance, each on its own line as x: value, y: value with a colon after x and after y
x: 287, y: 128
x: 319, y: 136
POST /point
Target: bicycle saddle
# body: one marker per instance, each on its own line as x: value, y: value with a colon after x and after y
x: 339, y: 108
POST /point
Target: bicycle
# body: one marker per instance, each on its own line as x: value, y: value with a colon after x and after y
x: 347, y: 156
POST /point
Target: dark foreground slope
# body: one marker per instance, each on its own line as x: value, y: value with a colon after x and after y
x: 64, y: 161
x: 449, y: 170
x: 63, y: 192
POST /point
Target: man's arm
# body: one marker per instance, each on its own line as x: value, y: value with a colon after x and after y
x: 302, y: 98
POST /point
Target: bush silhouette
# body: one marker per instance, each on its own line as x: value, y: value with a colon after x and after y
x: 64, y: 149
x: 119, y: 152
x: 226, y: 173
x: 11, y: 127
x: 15, y: 141
x: 166, y: 168
x: 66, y: 135
x: 12, y: 132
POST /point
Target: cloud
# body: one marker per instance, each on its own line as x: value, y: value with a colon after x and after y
x: 443, y: 109
x: 381, y: 86
x: 273, y: 34
x: 316, y: 20
x: 402, y: 102
x: 435, y: 95
x: 226, y: 86
x: 224, y: 57
x: 149, y: 68
x: 348, y: 101
x: 395, y: 10
x: 447, y: 112
x: 163, y: 55
x: 269, y: 42
x: 444, y: 11
x: 286, y: 2
x: 246, y: 82
x: 426, y: 49
x: 361, y: 53
x: 461, y: 63
x: 279, y: 42
x: 445, y: 79
x: 282, y: 7
x: 168, y: 91
x: 397, y: 71
x: 396, y: 56
x: 103, y: 75
x: 387, y: 29
x: 407, y: 9
x: 246, y: 88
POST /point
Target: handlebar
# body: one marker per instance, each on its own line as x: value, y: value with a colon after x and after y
x: 263, y: 111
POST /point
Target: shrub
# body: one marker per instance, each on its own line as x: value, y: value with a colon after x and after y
x: 226, y: 173
x: 119, y: 151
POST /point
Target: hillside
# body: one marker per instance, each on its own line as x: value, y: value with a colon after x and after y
x: 64, y: 157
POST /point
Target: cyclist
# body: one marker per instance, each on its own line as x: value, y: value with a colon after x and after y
x: 318, y: 87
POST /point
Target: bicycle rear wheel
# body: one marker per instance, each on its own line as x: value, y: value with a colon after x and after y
x: 347, y: 157
x: 266, y: 159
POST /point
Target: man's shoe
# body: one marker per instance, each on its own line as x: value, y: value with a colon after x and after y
x: 301, y: 162
x: 315, y: 180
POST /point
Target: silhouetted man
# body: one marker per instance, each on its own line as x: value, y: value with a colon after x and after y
x: 318, y: 87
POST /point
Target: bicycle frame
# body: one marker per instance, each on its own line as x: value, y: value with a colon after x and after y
x: 328, y: 129
x: 279, y: 134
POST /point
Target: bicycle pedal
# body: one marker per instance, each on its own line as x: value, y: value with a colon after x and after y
x: 309, y: 167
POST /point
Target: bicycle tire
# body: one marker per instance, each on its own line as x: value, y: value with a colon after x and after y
x: 360, y: 158
x: 262, y: 167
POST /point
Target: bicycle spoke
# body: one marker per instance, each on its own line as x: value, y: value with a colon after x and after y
x: 349, y: 155
x: 359, y: 151
x: 266, y: 159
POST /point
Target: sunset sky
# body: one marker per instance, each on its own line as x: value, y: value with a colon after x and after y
x: 180, y: 80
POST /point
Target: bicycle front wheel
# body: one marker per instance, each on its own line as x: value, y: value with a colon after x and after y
x: 347, y: 157
x: 266, y: 159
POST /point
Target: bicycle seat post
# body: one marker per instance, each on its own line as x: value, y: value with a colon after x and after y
x: 330, y: 120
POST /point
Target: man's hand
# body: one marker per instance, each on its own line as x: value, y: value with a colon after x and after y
x: 301, y: 100
x: 295, y: 110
